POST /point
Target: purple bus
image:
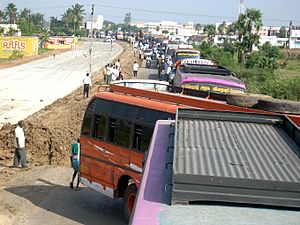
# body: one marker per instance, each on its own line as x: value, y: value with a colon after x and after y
x: 195, y: 175
x: 203, y: 75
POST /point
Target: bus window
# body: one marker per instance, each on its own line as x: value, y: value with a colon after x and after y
x: 151, y: 116
x: 87, y: 120
x: 111, y: 129
x: 142, y: 137
x: 123, y: 131
x: 99, y: 127
x: 120, y: 110
x: 103, y: 107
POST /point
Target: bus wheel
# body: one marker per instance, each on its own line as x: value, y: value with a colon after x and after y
x: 129, y: 197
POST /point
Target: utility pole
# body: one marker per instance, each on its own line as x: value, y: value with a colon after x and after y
x: 91, y: 38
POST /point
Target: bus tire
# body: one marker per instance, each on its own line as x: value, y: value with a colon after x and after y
x: 129, y: 198
x: 245, y: 100
x: 279, y: 106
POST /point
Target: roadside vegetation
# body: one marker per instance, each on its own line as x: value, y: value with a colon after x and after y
x: 268, y: 70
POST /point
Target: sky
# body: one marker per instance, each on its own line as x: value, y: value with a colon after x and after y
x: 275, y: 12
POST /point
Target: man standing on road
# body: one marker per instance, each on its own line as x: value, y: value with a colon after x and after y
x: 87, y: 83
x: 20, y: 151
x: 135, y: 69
x: 159, y: 66
x: 74, y: 157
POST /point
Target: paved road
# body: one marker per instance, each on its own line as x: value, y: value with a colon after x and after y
x: 148, y: 73
x: 27, y: 88
x: 42, y: 196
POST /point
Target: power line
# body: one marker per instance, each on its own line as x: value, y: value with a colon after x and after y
x: 165, y: 12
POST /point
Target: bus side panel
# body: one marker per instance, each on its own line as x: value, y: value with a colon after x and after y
x: 93, y: 163
x: 136, y: 159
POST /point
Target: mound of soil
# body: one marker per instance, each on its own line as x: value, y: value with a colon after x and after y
x: 51, y: 131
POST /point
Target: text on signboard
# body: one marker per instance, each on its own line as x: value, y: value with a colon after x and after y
x: 14, y: 44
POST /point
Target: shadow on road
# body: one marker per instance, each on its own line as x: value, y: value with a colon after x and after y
x: 84, y: 206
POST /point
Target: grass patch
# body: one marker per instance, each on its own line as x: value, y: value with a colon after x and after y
x: 42, y: 50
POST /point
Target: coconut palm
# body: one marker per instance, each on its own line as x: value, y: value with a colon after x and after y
x: 11, y: 12
x: 2, y: 16
x: 77, y: 15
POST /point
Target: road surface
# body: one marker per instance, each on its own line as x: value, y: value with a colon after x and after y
x: 42, y: 196
x: 27, y: 88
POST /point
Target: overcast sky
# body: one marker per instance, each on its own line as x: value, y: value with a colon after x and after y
x: 275, y: 12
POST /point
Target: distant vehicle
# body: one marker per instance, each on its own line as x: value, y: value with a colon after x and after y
x: 180, y: 54
x: 204, y: 75
x: 148, y: 52
x: 102, y: 34
x: 109, y: 39
x: 120, y: 35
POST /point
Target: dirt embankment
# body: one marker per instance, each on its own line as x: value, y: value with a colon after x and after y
x: 50, y: 132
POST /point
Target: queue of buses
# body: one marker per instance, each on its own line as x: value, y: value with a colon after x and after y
x: 117, y: 128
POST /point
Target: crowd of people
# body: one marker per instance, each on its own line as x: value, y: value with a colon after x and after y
x: 112, y: 72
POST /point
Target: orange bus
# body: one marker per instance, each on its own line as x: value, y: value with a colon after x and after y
x: 116, y: 130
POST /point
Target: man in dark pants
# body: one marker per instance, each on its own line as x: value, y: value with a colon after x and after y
x: 87, y: 83
x: 20, y: 151
x: 74, y: 157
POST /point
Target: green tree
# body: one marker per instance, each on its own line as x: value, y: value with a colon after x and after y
x: 157, y: 28
x: 24, y: 22
x: 230, y: 31
x: 266, y: 58
x: 11, y: 32
x: 2, y: 16
x: 210, y: 31
x: 2, y: 30
x: 11, y: 12
x: 198, y: 27
x: 222, y: 29
x: 77, y: 15
x: 282, y: 32
x: 165, y: 32
x: 127, y: 20
x: 247, y: 28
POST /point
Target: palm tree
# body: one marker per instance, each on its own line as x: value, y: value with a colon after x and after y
x: 198, y: 27
x: 210, y: 30
x: 2, y: 16
x: 67, y: 18
x: 247, y: 28
x: 11, y: 11
x: 77, y: 15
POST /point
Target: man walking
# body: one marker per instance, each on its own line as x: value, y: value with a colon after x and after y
x: 135, y: 69
x: 20, y: 151
x: 74, y: 157
x: 87, y: 83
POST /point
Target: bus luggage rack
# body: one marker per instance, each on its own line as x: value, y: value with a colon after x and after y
x: 237, y: 158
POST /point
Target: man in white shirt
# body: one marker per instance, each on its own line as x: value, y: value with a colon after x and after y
x: 20, y: 151
x: 87, y: 83
x: 135, y: 69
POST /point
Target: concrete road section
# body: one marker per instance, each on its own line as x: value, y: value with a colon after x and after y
x: 43, y: 196
x: 27, y: 88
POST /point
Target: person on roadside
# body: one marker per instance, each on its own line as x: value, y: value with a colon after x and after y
x: 20, y: 150
x: 159, y: 66
x: 87, y: 83
x: 109, y: 74
x: 118, y: 64
x: 115, y: 73
x: 105, y: 73
x: 135, y: 69
x: 74, y: 157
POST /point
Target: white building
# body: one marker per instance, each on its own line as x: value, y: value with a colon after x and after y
x: 294, y: 40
